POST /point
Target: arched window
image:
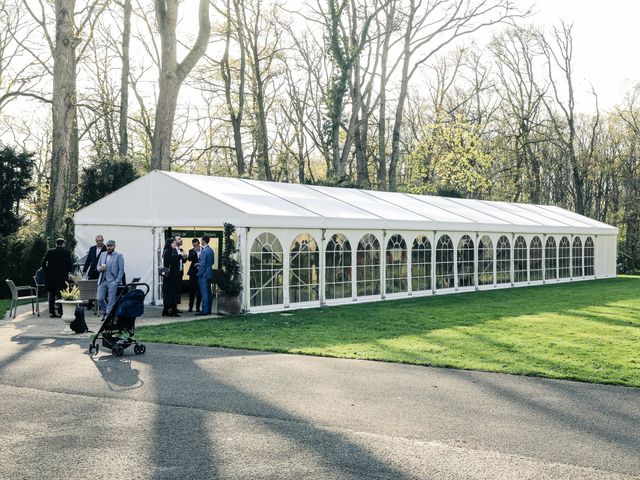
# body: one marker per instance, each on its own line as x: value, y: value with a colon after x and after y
x: 550, y: 259
x: 465, y: 262
x: 444, y: 263
x: 589, y: 257
x: 520, y: 260
x: 265, y: 271
x: 503, y: 260
x: 421, y: 264
x: 368, y: 266
x: 485, y: 261
x: 577, y: 257
x: 535, y: 259
x: 304, y: 275
x: 338, y: 267
x: 564, y: 258
x: 396, y: 268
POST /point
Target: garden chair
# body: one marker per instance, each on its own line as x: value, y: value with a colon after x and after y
x: 16, y: 297
x: 89, y: 292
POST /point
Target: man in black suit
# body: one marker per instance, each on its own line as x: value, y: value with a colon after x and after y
x: 194, y: 289
x: 91, y: 262
x: 57, y: 265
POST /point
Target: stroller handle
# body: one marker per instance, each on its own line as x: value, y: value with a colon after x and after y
x: 138, y: 284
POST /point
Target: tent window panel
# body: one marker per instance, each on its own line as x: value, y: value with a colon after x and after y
x: 485, y: 261
x: 266, y: 277
x: 396, y: 267
x: 338, y: 267
x: 564, y: 258
x: 535, y: 259
x: 304, y: 274
x: 551, y: 259
x: 577, y: 257
x: 466, y: 262
x: 589, y: 257
x: 444, y: 263
x: 520, y: 260
x: 503, y: 260
x: 421, y: 264
x: 368, y: 266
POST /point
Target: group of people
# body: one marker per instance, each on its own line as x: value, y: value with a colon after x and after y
x: 200, y: 274
x: 107, y: 266
x: 102, y: 263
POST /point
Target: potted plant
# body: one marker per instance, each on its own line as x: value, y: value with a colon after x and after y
x: 229, y: 282
x: 70, y: 300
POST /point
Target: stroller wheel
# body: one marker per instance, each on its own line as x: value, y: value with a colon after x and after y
x: 120, y: 351
x: 114, y: 351
x: 136, y: 349
x: 142, y: 349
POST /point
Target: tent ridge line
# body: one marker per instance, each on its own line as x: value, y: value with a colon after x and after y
x: 315, y: 189
x: 167, y: 174
x: 396, y: 205
x: 282, y: 198
x: 478, y: 210
x: 562, y: 210
x: 543, y: 215
x: 419, y: 197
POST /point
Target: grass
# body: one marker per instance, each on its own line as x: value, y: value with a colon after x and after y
x: 586, y: 331
x: 4, y: 307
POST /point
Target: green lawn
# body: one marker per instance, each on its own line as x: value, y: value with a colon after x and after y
x: 587, y: 331
x: 4, y: 307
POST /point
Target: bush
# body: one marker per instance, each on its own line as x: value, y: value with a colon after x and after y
x: 19, y: 260
x: 101, y: 177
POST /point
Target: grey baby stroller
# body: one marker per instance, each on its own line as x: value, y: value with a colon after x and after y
x: 118, y: 328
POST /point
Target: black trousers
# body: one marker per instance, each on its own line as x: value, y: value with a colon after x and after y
x: 194, y: 292
x: 53, y: 307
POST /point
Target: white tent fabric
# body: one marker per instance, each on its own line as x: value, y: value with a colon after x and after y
x: 164, y: 198
x: 138, y: 215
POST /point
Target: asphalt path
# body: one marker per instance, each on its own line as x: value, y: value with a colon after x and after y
x: 202, y: 413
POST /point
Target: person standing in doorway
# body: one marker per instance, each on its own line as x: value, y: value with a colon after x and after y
x: 194, y: 289
x: 90, y: 268
x: 170, y: 260
x: 111, y: 268
x: 183, y: 258
x: 205, y: 273
x: 57, y: 265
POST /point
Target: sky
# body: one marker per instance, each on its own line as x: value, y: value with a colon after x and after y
x: 606, y: 36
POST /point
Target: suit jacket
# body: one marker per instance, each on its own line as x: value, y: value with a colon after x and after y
x: 193, y: 258
x: 91, y: 263
x: 115, y: 270
x: 206, y: 263
x: 57, y: 265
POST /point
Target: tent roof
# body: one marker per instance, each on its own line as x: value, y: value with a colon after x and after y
x: 176, y: 199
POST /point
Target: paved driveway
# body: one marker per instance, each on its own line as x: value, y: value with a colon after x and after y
x: 191, y: 413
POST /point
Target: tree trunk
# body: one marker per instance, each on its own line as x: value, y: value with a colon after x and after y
x: 172, y: 74
x: 123, y: 149
x: 62, y: 116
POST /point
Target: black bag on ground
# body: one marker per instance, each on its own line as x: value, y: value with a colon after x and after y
x: 79, y: 325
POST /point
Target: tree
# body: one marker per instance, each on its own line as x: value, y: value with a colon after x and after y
x: 102, y: 177
x: 173, y: 74
x: 15, y: 186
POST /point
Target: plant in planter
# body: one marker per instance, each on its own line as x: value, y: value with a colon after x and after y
x: 229, y: 282
x: 70, y: 300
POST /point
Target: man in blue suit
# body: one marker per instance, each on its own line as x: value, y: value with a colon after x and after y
x: 205, y: 273
x: 111, y: 268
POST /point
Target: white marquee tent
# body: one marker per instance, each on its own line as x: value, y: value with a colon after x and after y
x: 303, y: 245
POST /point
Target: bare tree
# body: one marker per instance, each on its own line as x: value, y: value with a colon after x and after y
x: 173, y: 74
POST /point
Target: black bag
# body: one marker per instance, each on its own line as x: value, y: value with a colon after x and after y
x: 41, y: 276
x: 79, y: 325
x: 163, y: 271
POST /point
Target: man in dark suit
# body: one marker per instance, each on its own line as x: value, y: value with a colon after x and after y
x: 194, y: 289
x: 90, y: 268
x: 57, y: 265
x: 205, y: 273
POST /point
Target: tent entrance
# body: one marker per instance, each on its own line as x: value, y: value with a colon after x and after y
x: 189, y: 234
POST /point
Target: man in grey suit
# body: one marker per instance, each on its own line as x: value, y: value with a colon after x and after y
x: 111, y: 268
x: 205, y: 273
